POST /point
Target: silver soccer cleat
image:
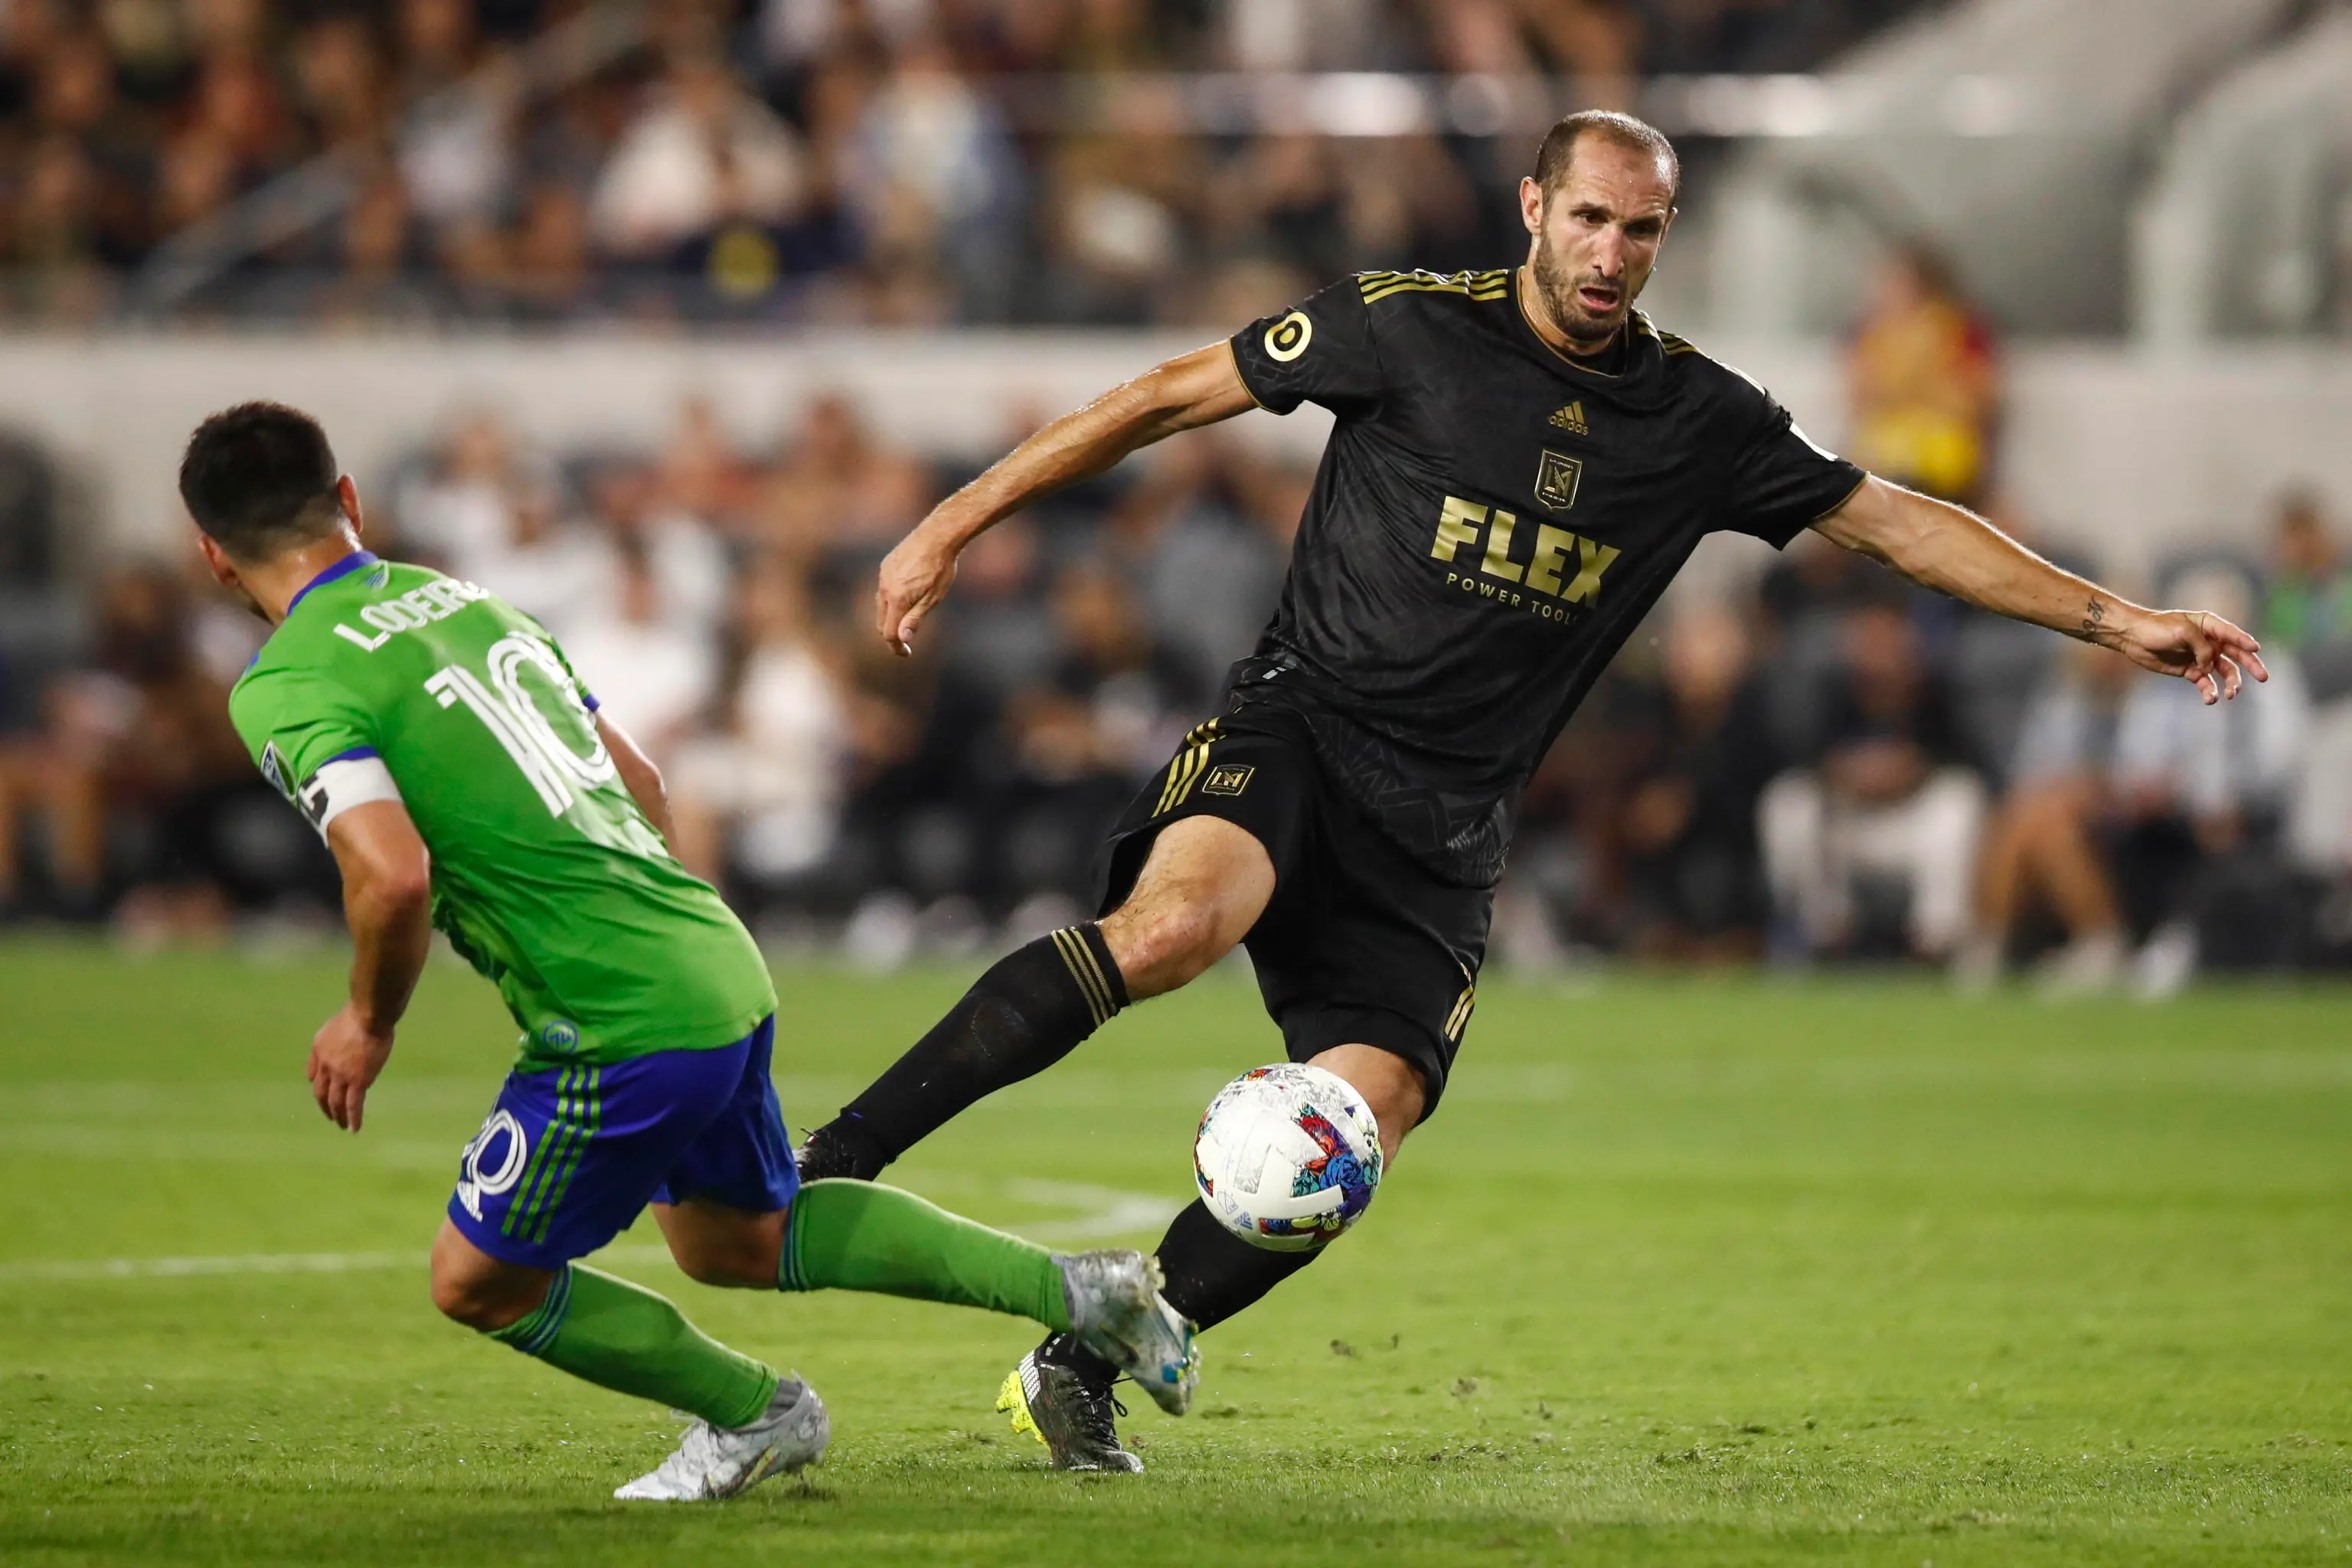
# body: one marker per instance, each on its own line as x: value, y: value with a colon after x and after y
x: 1117, y: 1312
x: 720, y: 1462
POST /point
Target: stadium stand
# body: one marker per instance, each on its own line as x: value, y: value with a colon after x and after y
x: 390, y: 173
x: 1967, y: 127
x: 389, y: 165
x: 2261, y: 153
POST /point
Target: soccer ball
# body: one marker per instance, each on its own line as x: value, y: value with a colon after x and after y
x: 1287, y: 1157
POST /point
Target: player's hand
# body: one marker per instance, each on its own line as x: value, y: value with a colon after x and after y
x: 345, y: 1057
x: 914, y: 577
x: 2196, y: 645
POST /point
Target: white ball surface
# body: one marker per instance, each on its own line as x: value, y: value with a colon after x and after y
x: 1287, y: 1156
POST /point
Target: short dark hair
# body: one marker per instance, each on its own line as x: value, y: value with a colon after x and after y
x: 260, y: 478
x: 1558, y: 149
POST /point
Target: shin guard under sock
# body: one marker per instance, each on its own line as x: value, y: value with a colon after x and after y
x: 623, y: 1336
x: 1029, y: 1010
x: 858, y: 1236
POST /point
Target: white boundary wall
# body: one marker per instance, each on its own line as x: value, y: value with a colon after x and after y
x: 2129, y: 454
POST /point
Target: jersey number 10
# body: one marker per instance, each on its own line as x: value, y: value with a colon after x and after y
x: 511, y: 714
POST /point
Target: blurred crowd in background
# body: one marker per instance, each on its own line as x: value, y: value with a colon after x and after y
x: 1823, y: 765
x: 550, y: 161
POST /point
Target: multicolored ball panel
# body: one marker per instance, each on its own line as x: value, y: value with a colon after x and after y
x: 1287, y: 1156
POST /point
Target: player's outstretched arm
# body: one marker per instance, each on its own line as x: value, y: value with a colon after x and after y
x: 388, y: 901
x: 1188, y: 391
x: 642, y: 779
x: 1951, y: 549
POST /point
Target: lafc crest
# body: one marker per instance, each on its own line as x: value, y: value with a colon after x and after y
x: 1227, y: 778
x: 1556, y: 480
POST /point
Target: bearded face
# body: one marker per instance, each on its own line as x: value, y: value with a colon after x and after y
x: 1596, y: 235
x: 1584, y: 301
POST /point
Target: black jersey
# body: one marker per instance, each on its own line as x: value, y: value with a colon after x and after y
x: 1490, y: 521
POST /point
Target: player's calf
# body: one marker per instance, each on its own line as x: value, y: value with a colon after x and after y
x: 623, y: 1336
x: 1032, y: 1008
x: 1203, y: 887
x: 752, y: 1424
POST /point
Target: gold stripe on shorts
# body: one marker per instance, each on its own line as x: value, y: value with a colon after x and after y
x: 1459, y: 1019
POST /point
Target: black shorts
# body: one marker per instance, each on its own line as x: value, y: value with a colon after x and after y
x: 1360, y: 944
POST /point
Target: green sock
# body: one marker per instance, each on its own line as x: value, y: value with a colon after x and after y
x: 623, y: 1336
x: 858, y: 1236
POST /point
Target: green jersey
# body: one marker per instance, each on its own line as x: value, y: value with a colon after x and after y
x: 392, y: 682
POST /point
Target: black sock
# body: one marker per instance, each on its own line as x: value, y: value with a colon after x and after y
x: 1029, y: 1010
x: 1063, y: 1349
x: 1211, y: 1274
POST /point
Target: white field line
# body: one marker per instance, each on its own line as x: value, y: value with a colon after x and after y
x: 1103, y: 1211
x: 184, y: 1267
x: 250, y: 1263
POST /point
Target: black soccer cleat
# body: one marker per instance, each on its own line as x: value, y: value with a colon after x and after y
x: 1068, y: 1411
x: 839, y: 1150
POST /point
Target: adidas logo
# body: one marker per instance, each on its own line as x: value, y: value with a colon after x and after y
x: 1570, y: 419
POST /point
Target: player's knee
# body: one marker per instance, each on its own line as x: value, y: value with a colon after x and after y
x: 460, y: 1301
x: 1165, y: 946
x: 486, y: 1302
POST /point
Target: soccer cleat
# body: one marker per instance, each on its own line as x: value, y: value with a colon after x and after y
x: 1068, y: 1411
x: 837, y: 1150
x: 1117, y: 1312
x: 720, y: 1462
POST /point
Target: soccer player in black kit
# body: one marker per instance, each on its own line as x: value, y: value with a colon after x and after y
x: 1520, y: 465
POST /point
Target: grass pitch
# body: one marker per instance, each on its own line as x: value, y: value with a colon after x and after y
x: 1686, y: 1271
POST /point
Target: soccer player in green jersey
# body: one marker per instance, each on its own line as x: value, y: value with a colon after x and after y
x: 465, y: 781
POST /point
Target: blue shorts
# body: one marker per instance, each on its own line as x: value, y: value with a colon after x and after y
x: 571, y: 1156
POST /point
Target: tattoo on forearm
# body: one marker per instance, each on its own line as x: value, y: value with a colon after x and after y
x: 2092, y: 618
